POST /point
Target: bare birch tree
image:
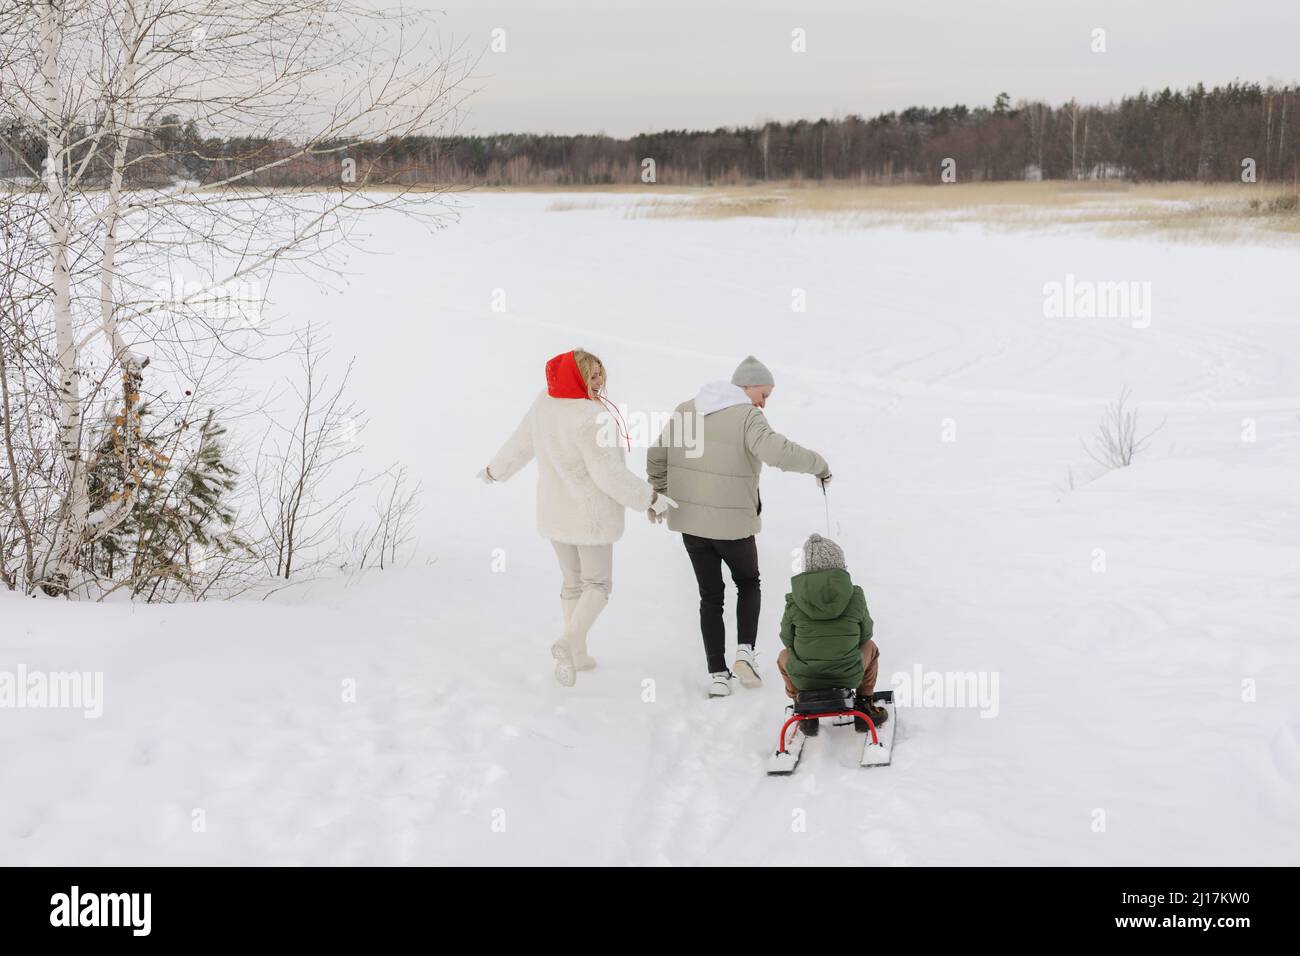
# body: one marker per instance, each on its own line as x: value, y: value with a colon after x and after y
x: 156, y: 253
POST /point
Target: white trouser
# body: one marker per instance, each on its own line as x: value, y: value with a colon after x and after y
x: 585, y: 567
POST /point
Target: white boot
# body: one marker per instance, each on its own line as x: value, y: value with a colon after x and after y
x: 720, y: 684
x: 581, y: 659
x: 565, y: 673
x: 571, y: 649
x: 745, y: 666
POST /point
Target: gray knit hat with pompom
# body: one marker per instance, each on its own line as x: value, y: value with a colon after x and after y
x: 820, y: 554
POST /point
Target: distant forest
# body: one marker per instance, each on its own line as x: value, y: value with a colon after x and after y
x: 1189, y: 135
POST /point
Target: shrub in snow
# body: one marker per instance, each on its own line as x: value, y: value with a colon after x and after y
x: 1116, y: 442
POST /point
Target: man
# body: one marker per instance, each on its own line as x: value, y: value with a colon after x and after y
x: 715, y: 484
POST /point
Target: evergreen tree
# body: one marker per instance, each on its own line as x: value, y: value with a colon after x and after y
x: 182, y: 514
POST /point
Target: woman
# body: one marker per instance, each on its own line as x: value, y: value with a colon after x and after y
x: 583, y: 486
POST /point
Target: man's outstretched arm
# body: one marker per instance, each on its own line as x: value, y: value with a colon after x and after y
x: 774, y: 449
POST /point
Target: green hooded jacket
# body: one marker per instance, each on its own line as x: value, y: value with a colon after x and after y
x: 825, y: 626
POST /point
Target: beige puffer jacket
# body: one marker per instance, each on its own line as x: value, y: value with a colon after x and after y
x: 717, y: 490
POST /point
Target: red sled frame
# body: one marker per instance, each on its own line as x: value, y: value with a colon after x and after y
x: 795, y: 718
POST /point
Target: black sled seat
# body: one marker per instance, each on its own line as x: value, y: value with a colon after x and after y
x: 831, y: 700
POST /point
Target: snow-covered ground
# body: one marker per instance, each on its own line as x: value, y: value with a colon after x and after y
x: 1141, y: 625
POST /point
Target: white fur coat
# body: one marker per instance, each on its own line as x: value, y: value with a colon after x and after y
x: 583, y: 484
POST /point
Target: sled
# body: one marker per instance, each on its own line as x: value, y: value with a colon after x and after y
x: 839, y: 705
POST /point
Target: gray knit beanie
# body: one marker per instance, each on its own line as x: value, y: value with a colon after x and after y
x: 751, y: 372
x: 820, y: 554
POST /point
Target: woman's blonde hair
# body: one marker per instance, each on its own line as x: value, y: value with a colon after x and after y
x: 588, y: 365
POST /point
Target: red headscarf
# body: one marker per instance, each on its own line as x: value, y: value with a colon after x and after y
x: 563, y: 380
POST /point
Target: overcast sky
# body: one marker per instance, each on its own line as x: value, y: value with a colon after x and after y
x: 622, y: 66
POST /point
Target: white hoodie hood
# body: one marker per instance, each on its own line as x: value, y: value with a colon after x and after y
x: 716, y: 396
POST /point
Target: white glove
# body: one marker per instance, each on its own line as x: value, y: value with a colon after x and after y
x: 660, y: 504
x: 822, y: 482
x: 485, y: 476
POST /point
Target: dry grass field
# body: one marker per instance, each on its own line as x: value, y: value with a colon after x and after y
x: 1189, y: 211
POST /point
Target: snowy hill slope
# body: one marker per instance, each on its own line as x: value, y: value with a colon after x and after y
x: 1119, y: 690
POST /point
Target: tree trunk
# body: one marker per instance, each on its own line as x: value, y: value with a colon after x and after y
x: 131, y: 365
x: 76, y: 504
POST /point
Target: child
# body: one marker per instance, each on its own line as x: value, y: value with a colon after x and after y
x: 826, y: 629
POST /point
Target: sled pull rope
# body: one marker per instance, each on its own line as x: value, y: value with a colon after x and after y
x: 827, y: 499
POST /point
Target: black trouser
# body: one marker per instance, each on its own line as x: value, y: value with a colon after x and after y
x: 741, y: 557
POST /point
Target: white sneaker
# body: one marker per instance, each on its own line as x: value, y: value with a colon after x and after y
x: 720, y: 684
x: 745, y: 666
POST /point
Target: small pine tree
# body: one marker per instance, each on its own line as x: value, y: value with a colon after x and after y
x: 181, y: 516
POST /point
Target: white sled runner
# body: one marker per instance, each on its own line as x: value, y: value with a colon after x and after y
x: 879, y: 752
x: 837, y: 704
